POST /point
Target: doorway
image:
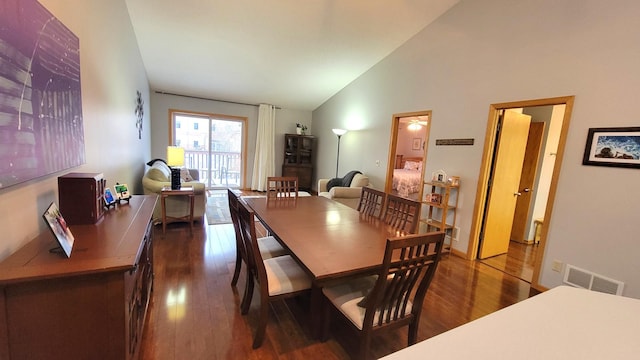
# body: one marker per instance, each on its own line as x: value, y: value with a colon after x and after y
x: 408, y: 154
x: 214, y: 145
x: 542, y: 190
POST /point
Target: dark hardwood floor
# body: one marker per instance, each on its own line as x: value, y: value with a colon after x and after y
x: 194, y: 311
x: 518, y: 261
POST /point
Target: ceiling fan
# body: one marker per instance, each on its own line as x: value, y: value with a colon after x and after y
x: 415, y: 124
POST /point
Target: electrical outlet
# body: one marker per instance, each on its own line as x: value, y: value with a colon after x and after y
x: 377, y: 163
x: 556, y: 266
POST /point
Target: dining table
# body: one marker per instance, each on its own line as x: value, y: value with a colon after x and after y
x: 561, y: 323
x: 331, y: 241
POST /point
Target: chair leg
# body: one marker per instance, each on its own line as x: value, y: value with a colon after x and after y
x: 248, y: 294
x: 365, y: 343
x: 262, y: 324
x: 326, y: 320
x: 236, y: 272
x: 413, y: 333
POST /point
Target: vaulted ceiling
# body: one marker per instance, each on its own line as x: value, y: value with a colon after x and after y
x: 290, y: 53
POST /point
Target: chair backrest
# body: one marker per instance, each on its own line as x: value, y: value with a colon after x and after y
x: 407, y: 270
x: 255, y: 264
x: 401, y: 213
x: 234, y: 203
x: 372, y: 202
x: 282, y: 186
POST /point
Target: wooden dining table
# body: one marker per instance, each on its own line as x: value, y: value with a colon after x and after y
x: 331, y: 241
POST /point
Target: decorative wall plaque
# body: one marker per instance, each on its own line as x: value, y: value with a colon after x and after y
x: 454, y: 142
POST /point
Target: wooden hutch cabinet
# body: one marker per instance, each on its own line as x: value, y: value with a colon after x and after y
x: 299, y: 159
x: 92, y: 305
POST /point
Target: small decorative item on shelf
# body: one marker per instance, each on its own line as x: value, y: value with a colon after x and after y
x: 454, y: 180
x: 434, y: 198
x: 301, y: 129
x: 439, y: 176
x: 122, y: 192
x: 109, y: 199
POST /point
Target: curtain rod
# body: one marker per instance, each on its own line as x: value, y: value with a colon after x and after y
x: 204, y: 98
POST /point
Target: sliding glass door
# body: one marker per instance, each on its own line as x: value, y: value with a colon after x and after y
x: 213, y: 145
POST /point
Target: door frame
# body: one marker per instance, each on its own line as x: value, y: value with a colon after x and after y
x: 393, y: 144
x: 485, y: 172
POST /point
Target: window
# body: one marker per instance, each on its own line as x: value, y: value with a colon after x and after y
x: 213, y: 145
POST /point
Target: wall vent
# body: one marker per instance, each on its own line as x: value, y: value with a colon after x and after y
x: 452, y: 236
x: 585, y: 279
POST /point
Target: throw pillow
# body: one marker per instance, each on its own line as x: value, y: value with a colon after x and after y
x: 185, y: 175
x: 411, y: 165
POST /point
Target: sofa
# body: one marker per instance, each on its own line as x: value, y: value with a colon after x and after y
x: 348, y: 195
x: 159, y: 175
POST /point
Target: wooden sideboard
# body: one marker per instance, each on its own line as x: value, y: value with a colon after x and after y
x: 89, y: 306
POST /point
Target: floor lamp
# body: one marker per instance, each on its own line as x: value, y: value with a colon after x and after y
x: 339, y: 133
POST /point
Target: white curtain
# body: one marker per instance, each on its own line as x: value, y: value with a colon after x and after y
x: 264, y: 162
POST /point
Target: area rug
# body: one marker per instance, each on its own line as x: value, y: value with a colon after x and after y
x: 218, y: 207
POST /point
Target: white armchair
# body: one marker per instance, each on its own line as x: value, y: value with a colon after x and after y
x: 350, y: 195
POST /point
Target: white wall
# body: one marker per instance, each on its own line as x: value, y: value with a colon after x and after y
x: 286, y: 120
x: 111, y: 72
x: 494, y: 51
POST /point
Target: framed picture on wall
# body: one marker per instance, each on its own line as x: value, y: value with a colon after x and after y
x: 619, y: 147
x: 417, y: 142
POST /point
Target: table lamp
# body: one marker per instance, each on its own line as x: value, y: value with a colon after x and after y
x: 175, y: 160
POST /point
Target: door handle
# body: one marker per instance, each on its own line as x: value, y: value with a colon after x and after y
x: 526, y: 190
x: 517, y: 193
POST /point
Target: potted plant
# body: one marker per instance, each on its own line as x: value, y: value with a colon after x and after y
x: 301, y: 129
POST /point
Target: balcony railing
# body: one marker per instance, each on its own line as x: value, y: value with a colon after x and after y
x: 216, y: 169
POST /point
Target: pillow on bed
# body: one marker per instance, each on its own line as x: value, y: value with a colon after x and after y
x: 411, y: 165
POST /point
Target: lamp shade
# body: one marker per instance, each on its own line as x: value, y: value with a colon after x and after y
x: 339, y: 132
x: 175, y: 156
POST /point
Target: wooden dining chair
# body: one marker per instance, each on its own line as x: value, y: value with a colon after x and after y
x: 401, y: 213
x: 392, y: 299
x: 372, y: 202
x: 277, y: 278
x: 269, y: 246
x: 282, y: 186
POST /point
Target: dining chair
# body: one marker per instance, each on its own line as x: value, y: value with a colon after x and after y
x: 372, y: 202
x: 282, y: 186
x: 392, y: 299
x: 277, y: 278
x: 269, y: 246
x: 402, y: 214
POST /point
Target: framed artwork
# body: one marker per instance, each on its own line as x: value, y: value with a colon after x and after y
x: 417, y: 142
x: 618, y: 147
x: 59, y: 228
x: 41, y: 112
x: 122, y: 191
x: 108, y: 197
